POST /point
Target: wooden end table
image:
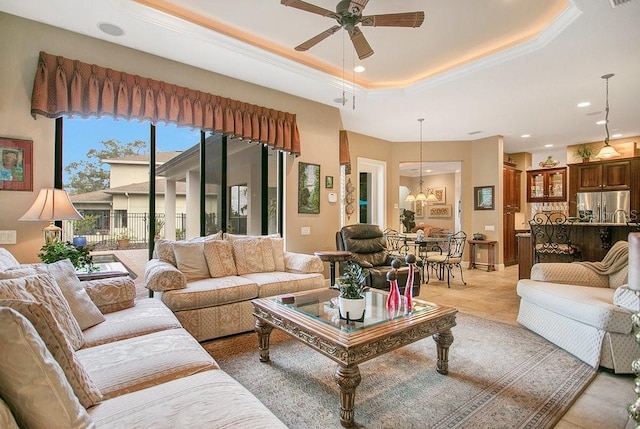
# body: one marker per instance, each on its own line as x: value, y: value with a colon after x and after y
x: 333, y: 256
x: 491, y: 244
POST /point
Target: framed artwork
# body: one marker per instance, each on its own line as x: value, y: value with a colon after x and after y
x: 483, y: 197
x: 16, y: 170
x: 440, y: 195
x: 418, y: 209
x: 442, y: 210
x: 328, y: 182
x: 308, y: 188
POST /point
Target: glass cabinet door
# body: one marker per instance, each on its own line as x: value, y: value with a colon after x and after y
x: 536, y: 186
x: 556, y: 185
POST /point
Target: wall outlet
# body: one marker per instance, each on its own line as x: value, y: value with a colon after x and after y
x: 8, y: 237
x: 305, y: 230
x: 489, y: 227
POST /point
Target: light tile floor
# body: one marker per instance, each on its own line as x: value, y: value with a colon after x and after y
x: 493, y: 295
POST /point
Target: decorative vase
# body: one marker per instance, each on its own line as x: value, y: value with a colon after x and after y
x: 352, y: 309
x: 80, y: 241
x: 408, y: 289
x: 393, y: 300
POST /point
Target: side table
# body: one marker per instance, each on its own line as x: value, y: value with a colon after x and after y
x: 491, y: 251
x: 333, y: 256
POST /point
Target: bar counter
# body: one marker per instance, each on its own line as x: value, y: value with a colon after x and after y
x: 593, y: 238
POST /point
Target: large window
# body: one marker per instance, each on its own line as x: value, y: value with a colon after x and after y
x: 106, y: 167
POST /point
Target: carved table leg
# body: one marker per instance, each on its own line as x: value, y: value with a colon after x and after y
x: 347, y: 379
x: 263, y: 330
x: 443, y: 340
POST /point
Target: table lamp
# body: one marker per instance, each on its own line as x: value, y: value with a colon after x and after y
x: 52, y: 205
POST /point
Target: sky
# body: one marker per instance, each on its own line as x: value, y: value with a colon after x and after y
x: 80, y: 135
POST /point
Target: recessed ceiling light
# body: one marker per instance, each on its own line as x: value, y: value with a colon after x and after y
x: 548, y: 145
x: 359, y: 69
x: 428, y: 171
x: 584, y: 104
x: 110, y: 29
x: 525, y: 136
x: 601, y: 122
x: 616, y: 136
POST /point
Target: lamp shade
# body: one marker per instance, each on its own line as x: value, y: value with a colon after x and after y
x: 431, y: 197
x: 607, y: 152
x: 51, y: 204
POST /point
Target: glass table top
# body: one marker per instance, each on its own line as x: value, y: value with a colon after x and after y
x: 322, y: 305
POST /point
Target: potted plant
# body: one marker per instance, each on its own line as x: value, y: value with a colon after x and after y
x: 584, y: 152
x: 352, y: 286
x: 124, y: 237
x: 84, y: 227
x: 58, y: 250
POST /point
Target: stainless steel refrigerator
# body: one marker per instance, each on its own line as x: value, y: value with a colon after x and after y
x: 608, y: 206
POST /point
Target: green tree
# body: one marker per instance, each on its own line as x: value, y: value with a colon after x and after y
x: 92, y: 174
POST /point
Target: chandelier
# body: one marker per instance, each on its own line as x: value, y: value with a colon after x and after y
x: 607, y: 151
x: 421, y: 196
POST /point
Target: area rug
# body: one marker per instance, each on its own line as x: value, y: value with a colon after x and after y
x: 500, y: 376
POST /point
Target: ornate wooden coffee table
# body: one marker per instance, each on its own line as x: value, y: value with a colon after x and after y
x: 312, y: 317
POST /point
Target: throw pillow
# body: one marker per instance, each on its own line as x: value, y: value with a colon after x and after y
x: 50, y: 332
x: 163, y: 248
x: 15, y: 273
x: 83, y: 309
x: 14, y: 288
x: 45, y: 290
x: 31, y: 381
x: 219, y: 256
x: 232, y: 237
x: 191, y: 261
x: 253, y: 255
x: 7, y: 260
x: 278, y: 253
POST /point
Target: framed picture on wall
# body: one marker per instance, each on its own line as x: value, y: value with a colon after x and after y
x: 442, y: 210
x: 328, y: 182
x: 440, y: 194
x: 16, y: 169
x: 483, y: 197
x: 308, y: 188
x: 418, y: 209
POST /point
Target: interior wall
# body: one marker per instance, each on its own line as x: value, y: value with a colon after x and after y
x: 20, y: 43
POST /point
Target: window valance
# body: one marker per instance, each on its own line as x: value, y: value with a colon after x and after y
x: 70, y: 87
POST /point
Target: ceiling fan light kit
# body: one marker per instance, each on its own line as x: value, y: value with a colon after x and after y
x: 348, y: 14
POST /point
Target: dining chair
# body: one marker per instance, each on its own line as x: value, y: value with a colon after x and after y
x: 449, y: 259
x: 396, y: 243
x: 550, y: 237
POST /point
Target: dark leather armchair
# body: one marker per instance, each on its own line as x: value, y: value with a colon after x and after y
x: 368, y: 248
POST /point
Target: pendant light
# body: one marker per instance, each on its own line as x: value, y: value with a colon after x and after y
x: 421, y: 195
x: 607, y: 151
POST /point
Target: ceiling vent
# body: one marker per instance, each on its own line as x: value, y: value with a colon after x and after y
x: 616, y: 3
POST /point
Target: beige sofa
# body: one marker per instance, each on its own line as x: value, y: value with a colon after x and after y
x: 84, y: 355
x: 209, y: 282
x: 584, y: 312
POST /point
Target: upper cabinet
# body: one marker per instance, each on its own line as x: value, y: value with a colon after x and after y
x: 601, y: 176
x: 547, y: 185
x: 511, y: 183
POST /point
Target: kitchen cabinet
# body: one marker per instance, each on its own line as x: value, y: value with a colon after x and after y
x: 612, y: 175
x: 601, y: 175
x: 511, y: 204
x: 547, y: 185
x: 511, y: 185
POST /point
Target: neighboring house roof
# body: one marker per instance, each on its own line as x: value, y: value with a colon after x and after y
x: 91, y: 197
x: 161, y: 158
x: 143, y: 188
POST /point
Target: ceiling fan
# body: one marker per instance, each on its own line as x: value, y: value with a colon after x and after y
x: 349, y: 14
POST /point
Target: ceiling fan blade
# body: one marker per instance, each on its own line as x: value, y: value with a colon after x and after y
x: 358, y: 4
x: 405, y: 19
x: 317, y: 39
x: 308, y: 7
x: 360, y: 43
